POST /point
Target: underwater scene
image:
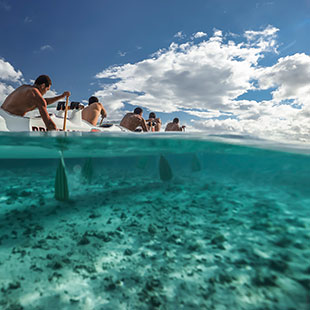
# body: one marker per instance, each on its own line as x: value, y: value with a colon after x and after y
x: 154, y: 221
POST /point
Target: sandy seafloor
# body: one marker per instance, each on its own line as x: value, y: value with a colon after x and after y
x: 131, y: 241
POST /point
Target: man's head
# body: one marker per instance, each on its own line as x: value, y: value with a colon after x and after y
x: 92, y: 99
x: 138, y: 111
x: 152, y: 115
x: 176, y: 120
x: 43, y: 83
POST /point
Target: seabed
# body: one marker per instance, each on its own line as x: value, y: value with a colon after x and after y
x: 209, y: 237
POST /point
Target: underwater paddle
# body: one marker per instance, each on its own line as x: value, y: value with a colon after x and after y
x: 88, y: 171
x: 66, y: 111
x: 195, y: 164
x: 61, y: 184
x: 165, y: 171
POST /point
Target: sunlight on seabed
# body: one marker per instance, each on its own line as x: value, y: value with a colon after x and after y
x: 153, y: 222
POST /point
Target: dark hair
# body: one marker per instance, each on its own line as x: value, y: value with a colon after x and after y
x: 176, y: 120
x: 152, y: 115
x: 92, y: 99
x: 137, y: 110
x: 43, y: 79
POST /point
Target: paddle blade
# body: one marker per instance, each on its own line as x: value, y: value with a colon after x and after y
x: 88, y: 171
x: 61, y: 184
x: 165, y: 171
x: 195, y: 164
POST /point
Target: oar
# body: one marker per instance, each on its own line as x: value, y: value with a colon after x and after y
x: 87, y: 170
x: 66, y: 111
x: 61, y: 184
x: 195, y: 164
x: 165, y: 171
x: 101, y: 120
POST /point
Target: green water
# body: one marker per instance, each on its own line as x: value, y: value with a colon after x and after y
x: 154, y: 222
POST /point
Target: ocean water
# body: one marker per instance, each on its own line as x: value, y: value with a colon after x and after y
x: 153, y: 221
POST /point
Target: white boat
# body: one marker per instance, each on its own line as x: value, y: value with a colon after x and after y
x: 74, y: 122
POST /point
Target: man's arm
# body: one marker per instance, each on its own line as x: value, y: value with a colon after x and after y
x: 42, y: 107
x: 158, y: 124
x: 103, y: 112
x: 50, y: 125
x: 57, y: 98
x: 143, y: 124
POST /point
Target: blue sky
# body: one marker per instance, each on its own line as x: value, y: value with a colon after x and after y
x: 162, y: 55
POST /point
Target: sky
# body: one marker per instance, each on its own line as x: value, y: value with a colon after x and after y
x: 221, y: 66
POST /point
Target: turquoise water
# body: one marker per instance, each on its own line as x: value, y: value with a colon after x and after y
x: 154, y: 222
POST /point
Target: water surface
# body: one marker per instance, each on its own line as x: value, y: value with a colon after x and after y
x: 228, y: 228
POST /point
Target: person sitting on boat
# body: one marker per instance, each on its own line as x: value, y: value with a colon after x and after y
x: 93, y: 110
x: 174, y: 126
x: 133, y: 120
x: 153, y: 123
x: 29, y: 97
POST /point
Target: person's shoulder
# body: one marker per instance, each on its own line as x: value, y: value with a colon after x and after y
x: 95, y: 105
x: 127, y: 115
x: 139, y: 116
x: 32, y: 90
x: 98, y: 104
x: 135, y: 115
x: 27, y: 88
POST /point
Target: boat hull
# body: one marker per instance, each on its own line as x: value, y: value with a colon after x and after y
x: 14, y: 123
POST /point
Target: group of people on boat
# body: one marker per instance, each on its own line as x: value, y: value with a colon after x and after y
x: 29, y: 97
x: 135, y: 122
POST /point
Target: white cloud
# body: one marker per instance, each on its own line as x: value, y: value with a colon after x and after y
x: 51, y: 93
x: 180, y: 35
x: 281, y: 123
x: 8, y: 73
x: 269, y: 31
x: 206, y: 79
x: 265, y: 39
x: 5, y: 90
x: 11, y: 78
x: 207, y: 75
x: 218, y: 33
x: 46, y: 47
x: 204, y: 114
x: 8, y: 77
x: 199, y: 34
x: 290, y: 76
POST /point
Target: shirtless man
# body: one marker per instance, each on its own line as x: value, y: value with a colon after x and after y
x: 93, y: 110
x: 28, y: 97
x: 132, y: 120
x: 153, y: 122
x: 174, y: 126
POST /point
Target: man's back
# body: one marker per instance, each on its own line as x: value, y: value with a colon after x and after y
x: 91, y: 112
x: 131, y: 121
x: 173, y: 127
x: 21, y: 100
